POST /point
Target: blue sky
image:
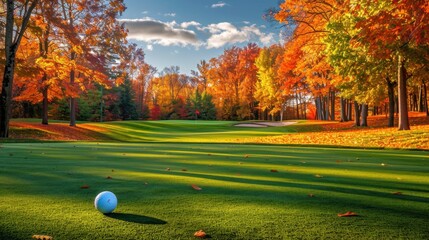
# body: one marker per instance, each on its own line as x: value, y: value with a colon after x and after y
x: 184, y: 32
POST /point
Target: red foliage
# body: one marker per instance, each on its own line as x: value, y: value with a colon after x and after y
x: 155, y: 112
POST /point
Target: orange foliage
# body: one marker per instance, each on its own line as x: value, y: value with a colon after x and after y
x: 200, y: 234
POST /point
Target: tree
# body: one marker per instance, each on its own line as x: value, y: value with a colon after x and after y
x: 200, y: 106
x: 394, y: 28
x: 269, y: 92
x: 308, y: 20
x: 14, y: 31
x: 126, y: 105
x: 86, y: 40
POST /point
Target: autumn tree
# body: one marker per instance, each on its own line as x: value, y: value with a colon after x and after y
x: 394, y: 28
x: 85, y: 27
x: 248, y: 69
x: 269, y: 91
x: 231, y: 79
x: 362, y: 75
x: 308, y: 21
x: 202, y: 75
x: 17, y: 18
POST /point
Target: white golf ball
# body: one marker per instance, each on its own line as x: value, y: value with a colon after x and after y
x: 105, y: 202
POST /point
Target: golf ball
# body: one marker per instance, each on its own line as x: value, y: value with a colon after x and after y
x: 105, y: 202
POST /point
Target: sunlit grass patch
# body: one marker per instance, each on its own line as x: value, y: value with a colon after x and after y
x: 240, y: 197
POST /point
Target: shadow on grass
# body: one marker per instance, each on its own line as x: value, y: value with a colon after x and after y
x: 134, y: 218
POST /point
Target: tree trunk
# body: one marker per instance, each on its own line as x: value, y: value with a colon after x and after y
x: 72, y: 99
x: 421, y: 104
x: 317, y: 102
x: 415, y: 103
x: 6, y: 93
x: 305, y: 110
x: 326, y: 106
x: 332, y: 97
x: 343, y: 110
x: 391, y: 93
x: 402, y: 96
x: 425, y: 99
x: 45, y: 103
x: 297, y: 105
x: 349, y: 110
x: 9, y: 67
x: 357, y: 114
x: 364, y: 115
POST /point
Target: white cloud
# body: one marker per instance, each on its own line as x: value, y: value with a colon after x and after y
x: 170, y: 14
x: 145, y: 12
x: 226, y: 33
x: 156, y: 32
x: 189, y: 24
x: 219, y: 5
x: 149, y: 47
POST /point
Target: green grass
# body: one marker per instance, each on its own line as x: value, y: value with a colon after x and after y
x: 241, y: 198
x: 183, y: 131
x: 40, y: 189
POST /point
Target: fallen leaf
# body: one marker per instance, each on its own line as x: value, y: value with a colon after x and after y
x: 200, y: 234
x: 246, y: 156
x: 383, y: 164
x: 43, y: 237
x: 195, y: 187
x: 109, y: 177
x: 348, y: 214
x: 397, y: 193
x: 311, y: 195
x: 339, y: 161
x: 318, y: 176
x: 274, y: 170
x: 168, y: 169
x: 184, y: 170
x: 84, y: 186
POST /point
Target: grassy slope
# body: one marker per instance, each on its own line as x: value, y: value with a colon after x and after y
x: 181, y: 131
x: 241, y: 199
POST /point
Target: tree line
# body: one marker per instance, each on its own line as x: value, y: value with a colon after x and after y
x: 69, y: 59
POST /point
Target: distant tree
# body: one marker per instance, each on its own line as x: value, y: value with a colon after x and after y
x: 127, y: 105
x: 201, y: 107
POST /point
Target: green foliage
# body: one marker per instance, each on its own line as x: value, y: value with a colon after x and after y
x: 201, y: 106
x: 126, y: 102
x: 89, y: 106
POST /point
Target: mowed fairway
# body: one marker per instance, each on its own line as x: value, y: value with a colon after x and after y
x: 241, y: 197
